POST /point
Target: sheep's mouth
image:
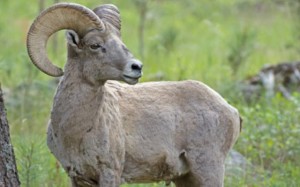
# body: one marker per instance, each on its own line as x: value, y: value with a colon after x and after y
x: 131, y: 79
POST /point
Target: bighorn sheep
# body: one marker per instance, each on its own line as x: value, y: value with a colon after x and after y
x: 105, y: 133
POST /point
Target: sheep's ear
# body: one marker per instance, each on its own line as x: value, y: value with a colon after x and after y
x: 72, y: 38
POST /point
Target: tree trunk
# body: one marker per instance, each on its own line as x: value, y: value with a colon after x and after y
x: 8, y: 170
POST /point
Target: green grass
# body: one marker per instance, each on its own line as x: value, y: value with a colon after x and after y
x: 183, y: 40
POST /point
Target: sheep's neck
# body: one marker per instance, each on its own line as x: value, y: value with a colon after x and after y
x: 77, y: 108
x: 74, y: 101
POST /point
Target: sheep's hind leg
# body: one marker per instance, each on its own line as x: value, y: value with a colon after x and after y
x: 206, y: 170
x: 200, y: 180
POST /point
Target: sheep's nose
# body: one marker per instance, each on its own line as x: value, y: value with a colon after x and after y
x: 137, y: 66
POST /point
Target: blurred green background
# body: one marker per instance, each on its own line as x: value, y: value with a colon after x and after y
x: 218, y: 42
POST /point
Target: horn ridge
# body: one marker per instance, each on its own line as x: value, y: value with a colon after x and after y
x: 110, y: 14
x: 57, y: 17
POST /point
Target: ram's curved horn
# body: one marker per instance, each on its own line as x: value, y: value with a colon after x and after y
x: 57, y: 17
x: 109, y: 13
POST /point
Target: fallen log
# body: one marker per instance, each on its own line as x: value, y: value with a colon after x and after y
x: 283, y: 78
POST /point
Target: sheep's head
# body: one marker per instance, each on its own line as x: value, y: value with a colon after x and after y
x: 93, y: 41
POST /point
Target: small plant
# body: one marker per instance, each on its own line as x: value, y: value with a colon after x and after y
x: 168, y: 39
x: 142, y: 7
x: 295, y: 12
x: 165, y: 41
x: 240, y: 48
x: 31, y: 154
x: 182, y: 69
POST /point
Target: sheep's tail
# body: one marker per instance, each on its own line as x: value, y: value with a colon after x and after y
x: 241, y: 123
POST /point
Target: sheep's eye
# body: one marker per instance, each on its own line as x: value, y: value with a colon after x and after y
x: 95, y: 46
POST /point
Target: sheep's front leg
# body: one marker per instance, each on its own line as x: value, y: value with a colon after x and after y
x: 111, y: 155
x: 108, y: 177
